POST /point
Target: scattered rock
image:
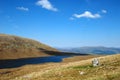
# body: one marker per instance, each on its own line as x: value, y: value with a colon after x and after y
x: 81, y: 72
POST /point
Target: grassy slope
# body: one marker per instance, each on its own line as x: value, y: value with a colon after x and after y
x: 109, y: 69
x: 13, y: 47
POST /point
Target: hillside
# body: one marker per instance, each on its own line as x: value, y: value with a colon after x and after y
x: 13, y: 47
x: 109, y: 69
x: 92, y: 50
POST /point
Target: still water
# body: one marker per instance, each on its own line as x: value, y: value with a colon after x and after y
x: 26, y: 61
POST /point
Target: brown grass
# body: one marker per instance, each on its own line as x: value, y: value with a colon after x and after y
x: 13, y: 47
x: 67, y: 70
x: 109, y: 69
x: 6, y: 74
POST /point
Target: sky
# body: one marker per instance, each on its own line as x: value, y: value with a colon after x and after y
x: 63, y: 23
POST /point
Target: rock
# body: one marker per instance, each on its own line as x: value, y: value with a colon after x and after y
x: 81, y: 72
x: 95, y: 62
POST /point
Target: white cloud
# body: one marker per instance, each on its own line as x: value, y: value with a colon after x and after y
x: 46, y: 4
x: 104, y: 11
x: 87, y: 14
x: 22, y: 8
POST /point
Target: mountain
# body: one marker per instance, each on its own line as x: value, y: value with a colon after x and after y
x: 92, y: 50
x: 14, y: 47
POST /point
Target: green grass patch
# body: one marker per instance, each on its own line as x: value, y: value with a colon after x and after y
x: 82, y: 67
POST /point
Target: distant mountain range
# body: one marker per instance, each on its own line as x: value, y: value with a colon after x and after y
x: 92, y: 50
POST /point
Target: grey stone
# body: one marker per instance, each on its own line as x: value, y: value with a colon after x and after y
x: 95, y: 62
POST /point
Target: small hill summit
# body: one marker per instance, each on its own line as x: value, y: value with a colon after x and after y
x: 14, y: 47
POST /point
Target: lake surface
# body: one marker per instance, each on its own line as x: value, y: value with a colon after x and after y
x: 20, y: 62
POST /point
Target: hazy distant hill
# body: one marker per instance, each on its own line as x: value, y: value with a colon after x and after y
x: 13, y: 47
x: 92, y: 50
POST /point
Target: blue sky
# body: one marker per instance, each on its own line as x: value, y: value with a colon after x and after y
x: 63, y: 23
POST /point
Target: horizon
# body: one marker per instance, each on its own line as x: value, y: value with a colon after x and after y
x: 86, y: 47
x: 70, y: 23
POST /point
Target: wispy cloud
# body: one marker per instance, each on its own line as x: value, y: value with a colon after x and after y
x: 87, y: 14
x: 22, y: 8
x: 71, y: 18
x: 104, y: 11
x: 46, y: 4
x: 11, y: 22
x: 8, y: 18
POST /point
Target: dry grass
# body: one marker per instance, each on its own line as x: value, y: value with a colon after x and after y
x: 109, y: 69
x: 21, y: 71
x: 13, y: 47
x: 79, y: 58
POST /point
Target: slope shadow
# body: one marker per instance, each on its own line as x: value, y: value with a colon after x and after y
x: 58, y: 53
x: 63, y: 53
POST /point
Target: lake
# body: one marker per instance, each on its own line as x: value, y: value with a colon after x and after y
x: 20, y: 62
